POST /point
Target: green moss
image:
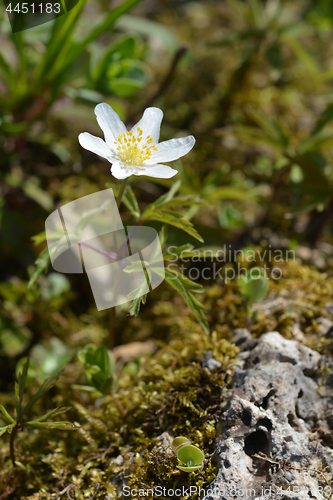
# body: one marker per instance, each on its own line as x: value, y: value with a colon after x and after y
x: 171, y: 392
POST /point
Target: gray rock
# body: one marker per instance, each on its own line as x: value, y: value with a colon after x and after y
x: 264, y: 443
x: 119, y: 460
x: 243, y: 339
x: 325, y: 327
x: 210, y: 362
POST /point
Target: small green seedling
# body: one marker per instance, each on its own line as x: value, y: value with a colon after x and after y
x: 99, y: 365
x: 253, y: 287
x: 14, y: 425
x: 189, y: 456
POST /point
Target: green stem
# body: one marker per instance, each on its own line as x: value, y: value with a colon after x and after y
x: 121, y: 192
x: 112, y: 315
x: 12, y: 437
x: 112, y: 319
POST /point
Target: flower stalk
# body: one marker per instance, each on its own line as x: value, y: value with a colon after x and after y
x: 121, y: 191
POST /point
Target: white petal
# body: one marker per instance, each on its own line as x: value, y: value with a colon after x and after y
x: 120, y: 171
x: 110, y: 123
x: 150, y: 123
x: 95, y: 145
x: 171, y: 150
x: 159, y: 171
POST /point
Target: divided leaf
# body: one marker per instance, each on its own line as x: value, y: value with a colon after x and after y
x: 184, y: 287
x: 174, y: 219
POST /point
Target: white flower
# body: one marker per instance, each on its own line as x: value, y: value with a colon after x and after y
x: 136, y: 152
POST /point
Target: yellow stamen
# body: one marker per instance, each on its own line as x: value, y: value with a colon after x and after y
x: 131, y: 151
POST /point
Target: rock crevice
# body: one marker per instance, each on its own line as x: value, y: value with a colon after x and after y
x: 267, y: 445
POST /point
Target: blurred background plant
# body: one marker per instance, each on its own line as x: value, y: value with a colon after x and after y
x: 252, y: 81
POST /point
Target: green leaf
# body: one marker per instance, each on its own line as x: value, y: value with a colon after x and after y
x: 253, y: 287
x: 173, y: 218
x: 185, y: 282
x: 5, y: 415
x: 228, y: 193
x: 271, y: 127
x: 32, y: 189
x: 315, y: 188
x: 169, y: 200
x: 42, y: 263
x: 52, y: 413
x: 7, y: 72
x: 325, y: 118
x: 123, y: 48
x: 141, y: 290
x: 189, y: 452
x: 126, y: 86
x: 303, y: 55
x: 253, y: 135
x: 163, y: 236
x: 99, y: 365
x: 229, y: 217
x: 169, y: 195
x: 41, y: 237
x: 62, y: 426
x: 8, y: 429
x: 184, y: 468
x: 59, y: 42
x: 46, y: 386
x: 130, y: 201
x: 323, y: 139
x: 185, y: 201
x: 149, y: 30
x: 234, y: 38
x: 134, y: 308
x: 184, y: 287
x: 111, y: 18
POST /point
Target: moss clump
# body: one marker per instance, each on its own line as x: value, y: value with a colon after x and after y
x: 170, y: 393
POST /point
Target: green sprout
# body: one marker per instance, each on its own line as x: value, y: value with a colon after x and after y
x: 99, y: 366
x: 14, y: 425
x: 191, y: 457
x: 253, y: 287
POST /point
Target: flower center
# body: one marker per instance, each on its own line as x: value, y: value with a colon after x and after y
x: 132, y: 151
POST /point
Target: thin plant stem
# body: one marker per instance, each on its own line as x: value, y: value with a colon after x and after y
x: 12, y: 438
x: 110, y: 255
x: 120, y: 407
x: 121, y: 192
x: 112, y: 317
x: 181, y: 51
